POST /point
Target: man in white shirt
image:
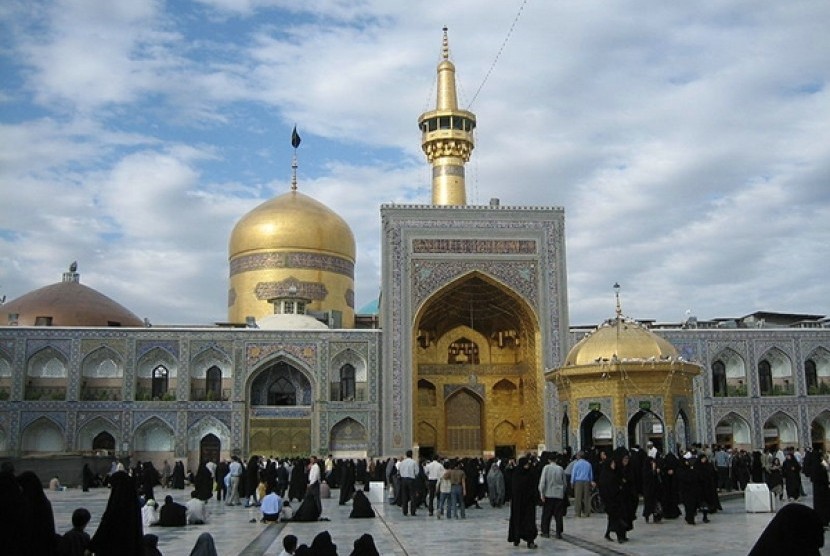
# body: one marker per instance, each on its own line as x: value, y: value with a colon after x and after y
x: 314, y: 482
x: 271, y: 506
x: 434, y: 470
x: 196, y: 510
x: 408, y: 471
x: 234, y: 472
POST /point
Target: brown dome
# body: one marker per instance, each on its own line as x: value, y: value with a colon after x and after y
x: 69, y: 303
x: 621, y: 339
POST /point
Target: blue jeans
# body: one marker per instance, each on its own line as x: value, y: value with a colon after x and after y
x: 443, y: 500
x: 456, y: 502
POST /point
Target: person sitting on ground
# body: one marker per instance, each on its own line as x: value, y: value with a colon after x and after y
x: 361, y: 507
x: 308, y: 509
x: 76, y: 540
x: 289, y: 545
x: 197, y: 513
x: 151, y: 545
x: 322, y: 545
x: 271, y: 506
x: 287, y: 512
x: 149, y: 513
x: 204, y: 546
x: 365, y: 546
x: 55, y: 484
x: 172, y: 514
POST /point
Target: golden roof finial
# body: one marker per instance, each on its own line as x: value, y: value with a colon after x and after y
x: 617, y: 294
x: 295, y: 142
x: 445, y: 48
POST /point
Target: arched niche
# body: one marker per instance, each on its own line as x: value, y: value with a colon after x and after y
x: 733, y: 431
x: 42, y: 436
x: 780, y: 431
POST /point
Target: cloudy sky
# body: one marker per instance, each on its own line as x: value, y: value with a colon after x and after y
x: 689, y: 142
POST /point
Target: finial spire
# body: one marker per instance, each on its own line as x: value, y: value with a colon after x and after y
x: 295, y: 142
x: 447, y: 136
x: 617, y: 295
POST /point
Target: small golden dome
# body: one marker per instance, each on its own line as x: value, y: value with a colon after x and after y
x: 293, y: 221
x: 621, y: 339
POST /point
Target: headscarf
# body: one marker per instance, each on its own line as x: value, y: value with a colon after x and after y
x: 38, y: 509
x: 365, y: 546
x: 151, y: 543
x: 204, y: 546
x: 361, y: 507
x: 120, y: 531
x: 795, y: 529
x: 322, y: 545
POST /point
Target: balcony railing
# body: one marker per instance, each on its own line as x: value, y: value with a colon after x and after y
x: 101, y: 394
x: 44, y: 393
x: 203, y: 395
x: 360, y: 394
x: 466, y: 369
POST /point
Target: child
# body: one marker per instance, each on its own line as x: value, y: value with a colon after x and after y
x: 76, y: 540
x: 289, y: 545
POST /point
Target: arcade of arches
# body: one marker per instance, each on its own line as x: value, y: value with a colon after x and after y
x: 478, y: 381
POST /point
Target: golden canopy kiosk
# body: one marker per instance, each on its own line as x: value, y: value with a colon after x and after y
x: 622, y: 385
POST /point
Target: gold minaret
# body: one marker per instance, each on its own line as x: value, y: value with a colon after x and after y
x: 447, y: 137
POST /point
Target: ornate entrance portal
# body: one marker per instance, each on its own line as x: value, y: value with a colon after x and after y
x: 477, y: 382
x: 280, y: 413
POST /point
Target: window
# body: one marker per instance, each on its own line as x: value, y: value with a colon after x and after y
x: 213, y: 383
x: 288, y: 307
x: 43, y: 321
x: 159, y: 386
x: 462, y: 351
x: 282, y: 392
x: 718, y: 378
x: 765, y: 377
x: 810, y: 374
x: 347, y: 383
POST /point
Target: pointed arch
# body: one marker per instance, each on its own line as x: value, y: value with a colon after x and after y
x: 152, y: 359
x: 94, y: 427
x: 464, y: 412
x: 596, y: 431
x: 208, y: 358
x: 349, y: 377
x: 5, y: 365
x: 43, y: 436
x: 427, y: 435
x: 280, y: 383
x: 729, y: 374
x: 47, y: 363
x: 817, y: 372
x: 427, y: 394
x: 733, y: 431
x: 102, y: 363
x: 820, y: 431
x: 504, y: 437
x: 775, y: 373
x: 154, y: 435
x: 505, y: 393
x: 780, y: 431
x: 348, y: 436
x: 207, y: 425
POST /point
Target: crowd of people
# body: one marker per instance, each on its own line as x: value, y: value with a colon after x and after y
x: 685, y: 484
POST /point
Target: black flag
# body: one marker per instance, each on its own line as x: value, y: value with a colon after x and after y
x: 295, y: 138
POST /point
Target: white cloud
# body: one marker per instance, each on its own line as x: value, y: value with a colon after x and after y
x: 688, y: 145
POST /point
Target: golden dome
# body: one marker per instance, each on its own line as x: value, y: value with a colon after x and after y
x: 69, y: 303
x: 621, y: 339
x: 293, y: 221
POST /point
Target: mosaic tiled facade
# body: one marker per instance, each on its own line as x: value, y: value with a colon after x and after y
x: 184, y: 420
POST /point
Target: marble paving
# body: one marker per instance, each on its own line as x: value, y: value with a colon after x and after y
x: 483, y: 532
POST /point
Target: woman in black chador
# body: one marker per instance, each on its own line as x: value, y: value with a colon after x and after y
x: 203, y: 484
x: 525, y: 497
x: 610, y: 490
x: 792, y: 476
x: 178, y: 475
x: 671, y: 495
x: 361, y: 507
x: 120, y: 532
x: 299, y: 480
x: 39, y: 518
x: 652, y: 490
x: 347, y: 477
x: 795, y: 529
